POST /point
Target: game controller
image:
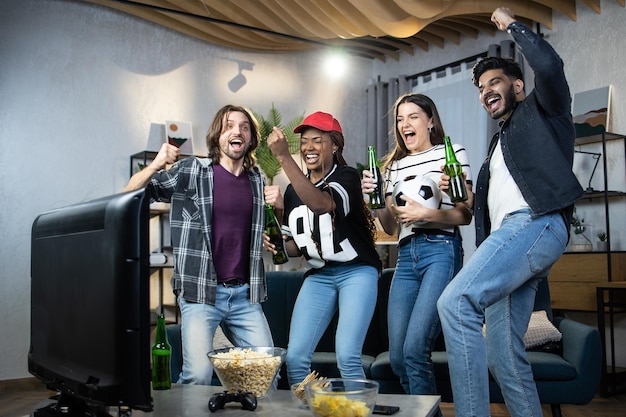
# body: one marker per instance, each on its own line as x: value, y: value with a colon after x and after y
x: 247, y: 400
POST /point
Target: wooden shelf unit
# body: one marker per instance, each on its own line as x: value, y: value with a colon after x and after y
x: 160, y: 214
x: 591, y: 281
x: 576, y: 275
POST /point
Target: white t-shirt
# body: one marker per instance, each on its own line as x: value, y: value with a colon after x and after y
x: 504, y: 195
x: 427, y: 163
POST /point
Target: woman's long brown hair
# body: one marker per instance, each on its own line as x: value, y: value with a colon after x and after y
x: 436, y: 133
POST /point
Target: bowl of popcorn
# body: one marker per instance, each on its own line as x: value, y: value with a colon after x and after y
x: 339, y: 397
x: 249, y: 368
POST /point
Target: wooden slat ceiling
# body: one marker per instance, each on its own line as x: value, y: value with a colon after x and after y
x: 376, y: 29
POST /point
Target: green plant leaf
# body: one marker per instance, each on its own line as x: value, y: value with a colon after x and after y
x: 293, y: 138
x: 265, y: 158
x: 267, y: 161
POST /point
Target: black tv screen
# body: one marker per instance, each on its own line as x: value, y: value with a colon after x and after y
x: 90, y: 317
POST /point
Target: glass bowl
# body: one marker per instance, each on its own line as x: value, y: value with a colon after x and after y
x: 298, y: 396
x: 339, y: 397
x: 248, y: 368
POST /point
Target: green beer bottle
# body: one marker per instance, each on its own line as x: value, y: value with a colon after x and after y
x: 454, y: 170
x: 377, y: 197
x: 161, y: 354
x: 272, y: 228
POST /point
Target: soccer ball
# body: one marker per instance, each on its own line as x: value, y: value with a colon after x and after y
x: 419, y: 188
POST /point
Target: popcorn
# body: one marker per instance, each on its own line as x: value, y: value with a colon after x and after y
x: 246, y: 369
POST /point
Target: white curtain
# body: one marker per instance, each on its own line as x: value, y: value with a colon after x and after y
x: 380, y: 99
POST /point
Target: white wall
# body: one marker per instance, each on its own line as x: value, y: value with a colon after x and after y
x: 81, y: 84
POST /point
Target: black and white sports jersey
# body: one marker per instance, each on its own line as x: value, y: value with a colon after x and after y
x: 341, y: 236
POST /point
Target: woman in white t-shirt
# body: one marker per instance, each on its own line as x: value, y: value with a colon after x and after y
x: 430, y: 250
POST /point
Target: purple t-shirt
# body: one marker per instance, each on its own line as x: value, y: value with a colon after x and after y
x: 232, y: 224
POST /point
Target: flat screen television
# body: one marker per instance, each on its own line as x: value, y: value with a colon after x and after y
x: 90, y: 312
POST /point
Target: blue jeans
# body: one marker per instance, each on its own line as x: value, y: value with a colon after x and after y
x: 243, y: 323
x: 499, y: 284
x: 426, y: 264
x: 350, y: 288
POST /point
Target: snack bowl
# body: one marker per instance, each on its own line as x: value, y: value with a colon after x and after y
x: 248, y: 368
x: 298, y: 395
x: 339, y: 397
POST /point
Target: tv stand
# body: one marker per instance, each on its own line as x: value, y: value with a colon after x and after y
x: 64, y: 405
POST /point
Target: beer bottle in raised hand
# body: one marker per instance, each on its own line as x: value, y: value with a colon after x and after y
x: 377, y: 197
x: 161, y: 356
x: 454, y: 170
x: 272, y: 228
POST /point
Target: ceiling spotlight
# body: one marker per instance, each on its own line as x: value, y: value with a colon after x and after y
x: 239, y: 80
x: 336, y: 64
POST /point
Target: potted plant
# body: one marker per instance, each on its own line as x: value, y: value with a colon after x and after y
x: 264, y: 156
x: 602, y: 241
x: 580, y: 241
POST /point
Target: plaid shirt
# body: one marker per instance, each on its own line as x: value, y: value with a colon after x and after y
x: 188, y: 186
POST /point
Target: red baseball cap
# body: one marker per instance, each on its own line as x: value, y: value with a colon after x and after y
x: 319, y: 120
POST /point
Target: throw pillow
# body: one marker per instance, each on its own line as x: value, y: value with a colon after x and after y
x: 540, y: 330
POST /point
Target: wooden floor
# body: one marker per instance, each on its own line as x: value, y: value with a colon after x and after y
x: 20, y: 397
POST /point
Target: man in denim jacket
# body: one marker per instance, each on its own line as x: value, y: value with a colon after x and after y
x: 524, y: 201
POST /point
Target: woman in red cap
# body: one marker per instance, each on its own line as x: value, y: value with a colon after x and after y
x: 327, y: 222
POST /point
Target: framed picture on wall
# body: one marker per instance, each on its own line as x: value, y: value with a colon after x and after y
x: 592, y: 112
x: 179, y: 134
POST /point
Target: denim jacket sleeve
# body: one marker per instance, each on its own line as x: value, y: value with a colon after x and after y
x: 551, y: 87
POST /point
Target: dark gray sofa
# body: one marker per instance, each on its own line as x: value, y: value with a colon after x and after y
x: 569, y: 374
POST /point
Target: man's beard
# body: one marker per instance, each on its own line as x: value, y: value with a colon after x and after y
x: 235, y: 156
x: 509, y: 100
